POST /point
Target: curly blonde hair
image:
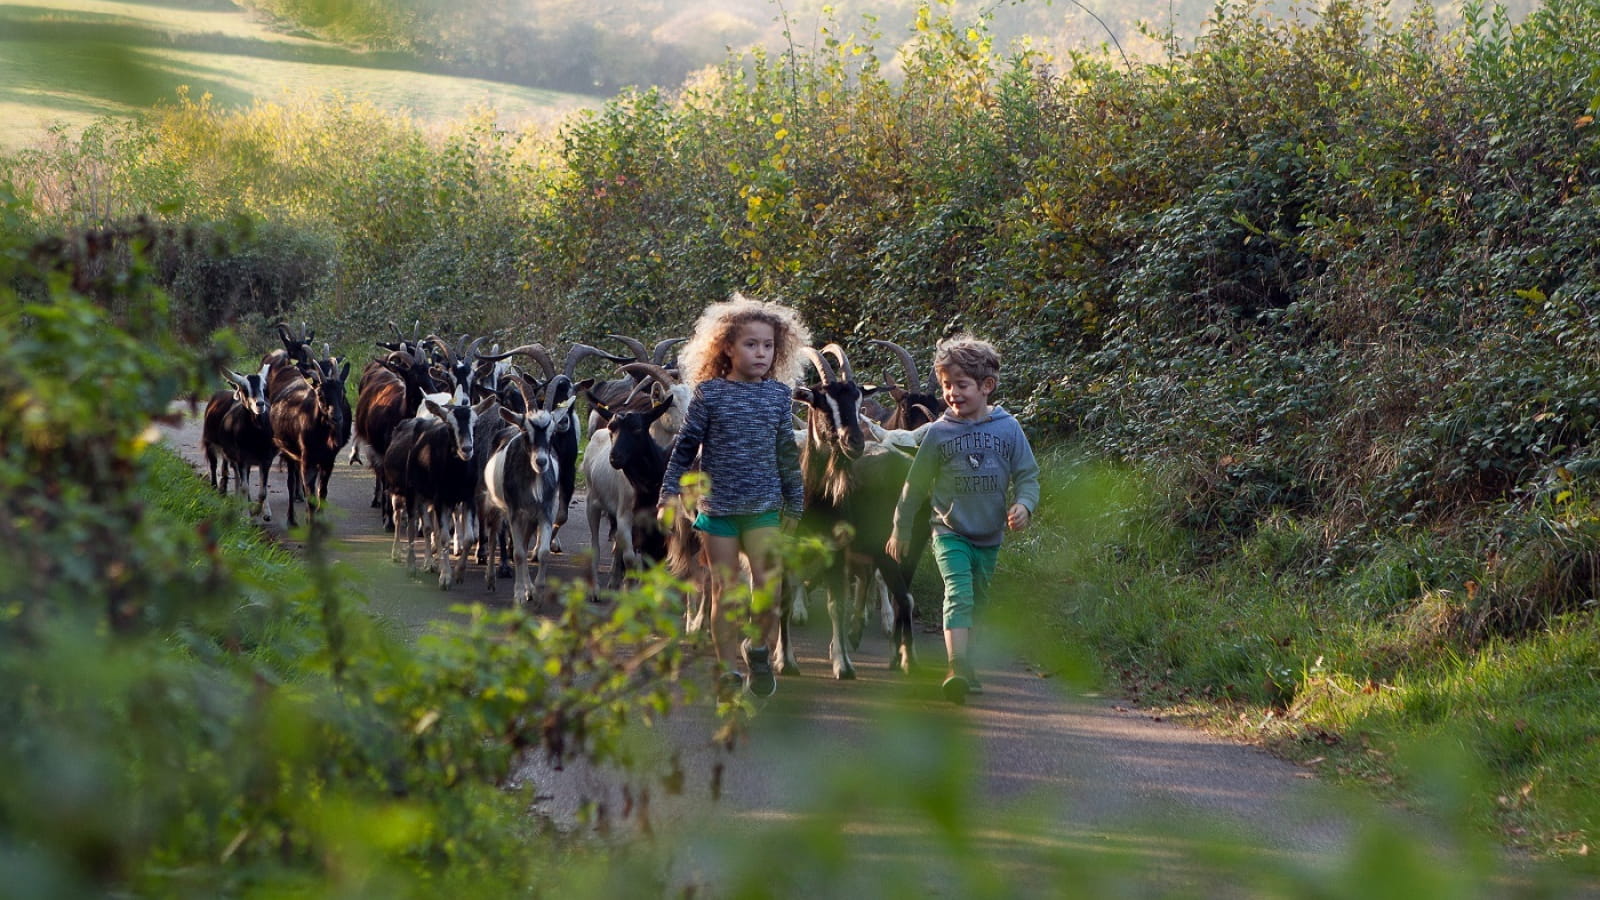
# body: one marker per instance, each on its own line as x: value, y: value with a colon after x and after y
x: 705, y: 356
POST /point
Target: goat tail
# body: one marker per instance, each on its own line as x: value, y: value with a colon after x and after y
x: 683, y: 548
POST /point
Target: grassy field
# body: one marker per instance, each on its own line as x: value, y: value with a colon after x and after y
x: 69, y: 62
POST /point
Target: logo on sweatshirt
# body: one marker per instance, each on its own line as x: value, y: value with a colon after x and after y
x: 974, y: 461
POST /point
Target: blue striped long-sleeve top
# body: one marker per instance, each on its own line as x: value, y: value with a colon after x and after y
x: 744, y: 436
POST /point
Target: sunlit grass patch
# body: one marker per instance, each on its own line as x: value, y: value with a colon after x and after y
x: 1355, y: 673
x: 70, y: 61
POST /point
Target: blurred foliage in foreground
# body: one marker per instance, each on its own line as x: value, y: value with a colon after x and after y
x: 1331, y: 278
x: 192, y: 712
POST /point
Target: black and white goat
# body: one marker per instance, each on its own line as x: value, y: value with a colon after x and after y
x: 916, y: 404
x: 623, y: 467
x: 431, y: 482
x: 237, y: 433
x: 852, y: 486
x: 615, y: 393
x: 560, y: 390
x: 522, y: 483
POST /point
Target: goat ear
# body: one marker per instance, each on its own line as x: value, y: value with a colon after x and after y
x: 511, y: 418
x: 344, y: 371
x: 436, y: 409
x: 600, y: 409
x: 802, y: 394
x: 868, y: 390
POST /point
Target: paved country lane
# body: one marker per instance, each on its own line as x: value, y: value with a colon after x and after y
x: 1058, y: 775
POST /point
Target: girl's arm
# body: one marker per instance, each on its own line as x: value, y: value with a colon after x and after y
x: 685, y: 447
x: 794, y: 489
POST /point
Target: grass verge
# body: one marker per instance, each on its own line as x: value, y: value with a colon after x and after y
x: 1365, y: 674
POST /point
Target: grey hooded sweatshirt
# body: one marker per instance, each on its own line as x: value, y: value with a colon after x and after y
x: 974, y: 471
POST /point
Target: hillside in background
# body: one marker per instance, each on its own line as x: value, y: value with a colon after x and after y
x: 580, y: 47
x: 71, y: 61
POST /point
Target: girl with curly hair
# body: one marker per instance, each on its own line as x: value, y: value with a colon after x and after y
x: 743, y: 359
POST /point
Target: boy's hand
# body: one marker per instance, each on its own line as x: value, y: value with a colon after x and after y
x: 894, y: 548
x: 1018, y: 517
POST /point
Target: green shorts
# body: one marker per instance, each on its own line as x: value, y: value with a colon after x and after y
x: 733, y: 526
x: 967, y: 571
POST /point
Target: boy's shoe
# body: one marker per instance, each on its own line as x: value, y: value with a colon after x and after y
x: 758, y: 658
x: 729, y: 684
x: 955, y: 688
x: 971, y: 675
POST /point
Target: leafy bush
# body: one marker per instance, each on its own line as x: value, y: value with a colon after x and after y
x: 193, y: 713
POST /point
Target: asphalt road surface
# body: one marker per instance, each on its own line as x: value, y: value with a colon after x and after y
x: 1057, y: 787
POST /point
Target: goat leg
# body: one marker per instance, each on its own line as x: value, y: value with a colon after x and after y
x: 790, y: 588
x: 838, y: 603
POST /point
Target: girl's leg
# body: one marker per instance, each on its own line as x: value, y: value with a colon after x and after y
x: 761, y: 549
x: 760, y: 545
x: 724, y: 553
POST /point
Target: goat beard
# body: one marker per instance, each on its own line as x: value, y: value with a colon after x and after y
x: 828, y: 479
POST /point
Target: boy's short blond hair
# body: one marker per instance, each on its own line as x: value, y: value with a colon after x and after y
x: 977, y: 359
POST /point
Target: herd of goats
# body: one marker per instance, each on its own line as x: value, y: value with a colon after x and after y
x: 476, y: 455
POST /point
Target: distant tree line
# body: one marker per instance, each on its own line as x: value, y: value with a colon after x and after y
x: 582, y: 48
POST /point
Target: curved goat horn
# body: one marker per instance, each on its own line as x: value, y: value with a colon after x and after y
x: 584, y: 351
x: 633, y: 344
x: 659, y: 354
x: 821, y: 364
x: 527, y: 401
x: 435, y: 340
x: 537, y: 351
x: 844, y: 361
x: 643, y: 370
x: 905, y: 360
